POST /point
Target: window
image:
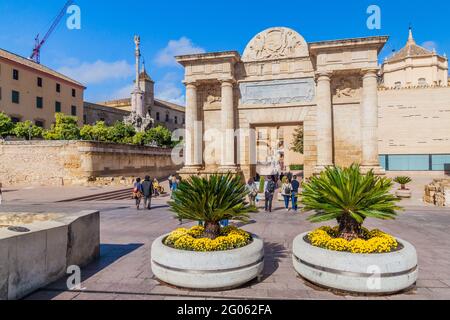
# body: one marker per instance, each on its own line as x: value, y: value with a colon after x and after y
x: 74, y: 110
x: 39, y: 102
x: 58, y: 87
x: 57, y: 106
x: 167, y: 117
x: 422, y: 82
x: 15, y: 119
x: 39, y: 82
x: 440, y: 162
x: 74, y: 93
x: 176, y: 120
x: 15, y: 74
x: 15, y: 97
x: 84, y: 119
x: 157, y: 116
x: 39, y: 123
x: 184, y: 121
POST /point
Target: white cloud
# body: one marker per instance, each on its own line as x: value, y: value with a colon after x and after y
x: 166, y: 57
x: 169, y: 88
x: 98, y: 71
x: 430, y: 45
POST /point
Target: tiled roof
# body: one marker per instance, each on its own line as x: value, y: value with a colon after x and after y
x: 36, y: 66
x: 410, y: 50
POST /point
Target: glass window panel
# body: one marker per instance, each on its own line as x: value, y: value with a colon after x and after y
x: 441, y: 162
x: 409, y: 162
x: 383, y: 162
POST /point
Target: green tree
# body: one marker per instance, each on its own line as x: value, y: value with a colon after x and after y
x: 27, y: 130
x: 160, y: 135
x: 139, y: 139
x: 100, y: 131
x: 86, y: 132
x: 65, y: 128
x: 211, y: 200
x: 349, y: 197
x: 121, y: 133
x: 6, y: 125
x: 298, y: 142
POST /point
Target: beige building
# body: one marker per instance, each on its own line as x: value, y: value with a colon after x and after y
x: 415, y: 66
x: 163, y: 113
x: 331, y: 88
x: 31, y: 91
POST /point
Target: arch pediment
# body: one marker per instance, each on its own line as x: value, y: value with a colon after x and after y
x: 276, y: 43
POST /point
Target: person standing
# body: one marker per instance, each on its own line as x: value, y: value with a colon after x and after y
x: 138, y: 192
x: 170, y: 182
x: 156, y: 187
x: 295, y: 190
x: 252, y: 189
x: 1, y: 193
x: 173, y: 188
x: 147, y: 192
x: 286, y: 192
x: 269, y: 190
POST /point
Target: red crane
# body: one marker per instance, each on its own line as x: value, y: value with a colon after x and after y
x: 36, y: 54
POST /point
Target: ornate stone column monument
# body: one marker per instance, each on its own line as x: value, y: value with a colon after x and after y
x: 193, y: 148
x: 139, y: 117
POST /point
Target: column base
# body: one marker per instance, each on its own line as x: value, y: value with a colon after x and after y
x: 318, y: 169
x: 188, y: 171
x: 377, y: 169
x: 229, y: 169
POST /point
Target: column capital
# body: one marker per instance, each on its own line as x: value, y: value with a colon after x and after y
x: 323, y: 75
x: 227, y: 81
x: 190, y: 84
x: 370, y: 72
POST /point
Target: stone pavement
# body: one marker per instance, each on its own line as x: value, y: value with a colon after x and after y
x: 123, y: 271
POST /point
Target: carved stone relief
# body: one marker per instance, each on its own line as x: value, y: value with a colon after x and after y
x: 346, y: 87
x: 210, y: 96
x: 276, y: 43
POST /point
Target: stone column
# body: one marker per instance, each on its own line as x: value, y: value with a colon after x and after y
x: 369, y: 120
x: 324, y: 122
x: 227, y: 118
x: 193, y: 144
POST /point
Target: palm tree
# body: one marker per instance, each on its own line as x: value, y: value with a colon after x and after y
x: 211, y: 200
x: 403, y: 181
x: 349, y: 197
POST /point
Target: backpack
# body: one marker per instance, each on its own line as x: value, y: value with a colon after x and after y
x: 271, y: 186
x: 287, y: 189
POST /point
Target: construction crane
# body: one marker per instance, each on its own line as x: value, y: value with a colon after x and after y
x: 36, y: 54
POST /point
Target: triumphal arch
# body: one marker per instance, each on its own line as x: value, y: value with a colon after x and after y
x: 329, y: 87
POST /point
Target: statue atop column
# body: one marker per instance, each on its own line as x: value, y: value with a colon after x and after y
x: 139, y: 117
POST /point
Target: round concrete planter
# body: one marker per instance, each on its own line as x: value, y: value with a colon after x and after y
x: 359, y: 273
x: 403, y: 193
x: 219, y: 270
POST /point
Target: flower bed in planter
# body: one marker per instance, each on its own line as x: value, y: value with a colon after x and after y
x: 205, y: 269
x: 370, y: 273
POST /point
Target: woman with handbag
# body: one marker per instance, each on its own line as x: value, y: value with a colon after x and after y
x: 138, y: 192
x: 286, y: 192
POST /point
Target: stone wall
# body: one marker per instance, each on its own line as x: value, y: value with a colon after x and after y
x: 80, y: 162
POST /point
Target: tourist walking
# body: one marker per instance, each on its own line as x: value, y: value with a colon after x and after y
x: 269, y: 190
x: 252, y: 190
x: 173, y: 187
x: 138, y: 192
x: 286, y: 192
x: 295, y: 191
x: 170, y: 182
x: 1, y: 193
x: 147, y: 192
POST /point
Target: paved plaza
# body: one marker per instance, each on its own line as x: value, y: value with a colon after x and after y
x: 123, y: 270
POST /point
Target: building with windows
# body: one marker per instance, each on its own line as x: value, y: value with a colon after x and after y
x: 163, y: 113
x: 31, y: 91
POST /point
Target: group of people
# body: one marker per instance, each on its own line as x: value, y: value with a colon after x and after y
x: 145, y: 190
x: 290, y: 188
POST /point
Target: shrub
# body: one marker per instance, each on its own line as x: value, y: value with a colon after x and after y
x: 159, y: 135
x: 27, y: 130
x: 349, y: 197
x: 65, y: 128
x: 121, y: 133
x: 262, y: 181
x: 6, y: 125
x: 403, y: 181
x: 211, y: 199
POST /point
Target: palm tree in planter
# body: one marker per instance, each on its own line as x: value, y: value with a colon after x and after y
x: 349, y: 197
x: 204, y: 257
x: 403, y: 192
x: 340, y: 257
x: 211, y: 200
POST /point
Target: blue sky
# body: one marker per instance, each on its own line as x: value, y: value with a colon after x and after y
x: 101, y: 53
